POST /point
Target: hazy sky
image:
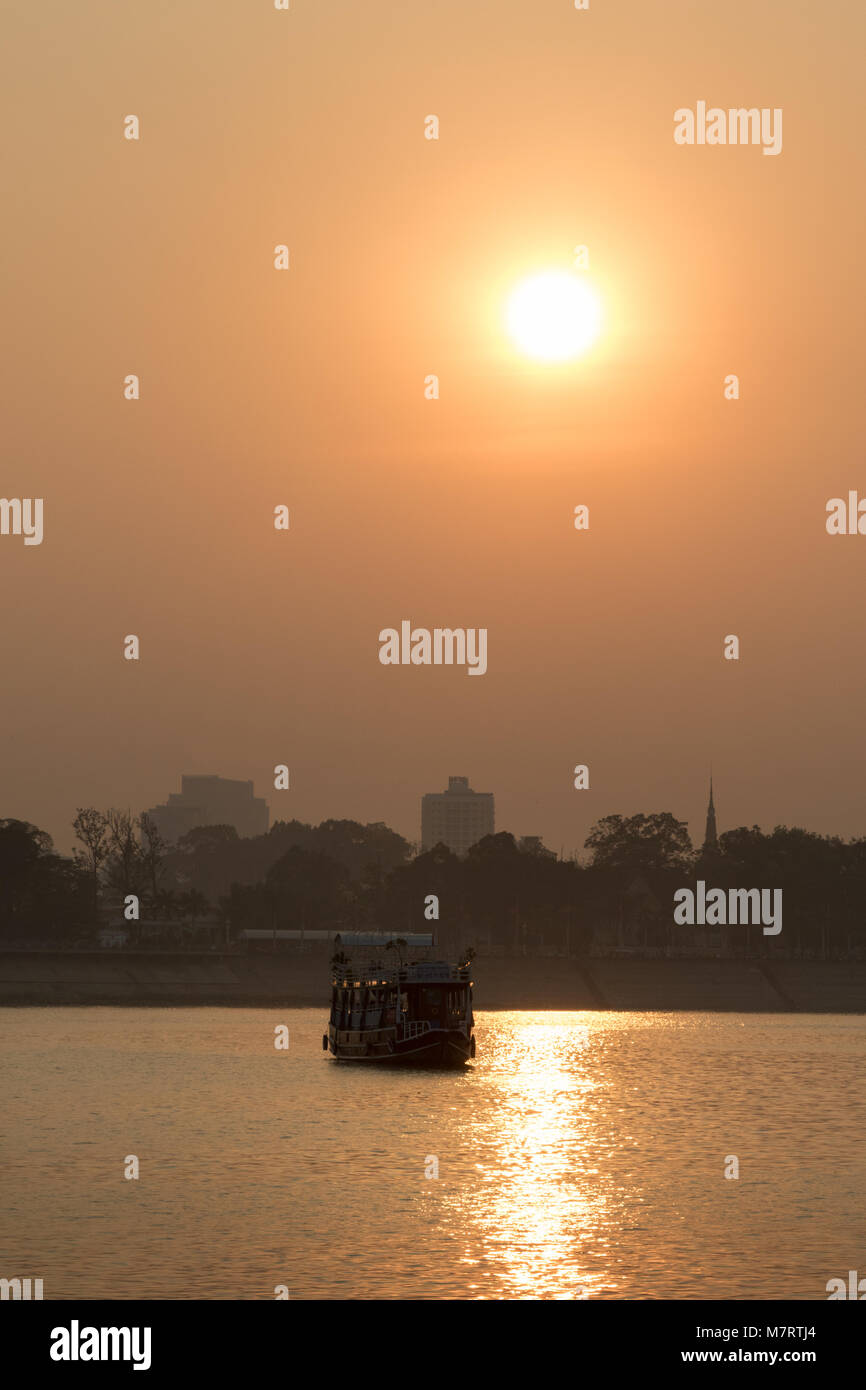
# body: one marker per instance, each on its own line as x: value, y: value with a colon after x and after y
x: 306, y: 387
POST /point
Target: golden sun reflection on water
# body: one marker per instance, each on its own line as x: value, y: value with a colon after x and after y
x: 541, y: 1195
x: 598, y: 1145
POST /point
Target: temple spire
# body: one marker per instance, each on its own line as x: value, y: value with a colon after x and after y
x: 711, y: 839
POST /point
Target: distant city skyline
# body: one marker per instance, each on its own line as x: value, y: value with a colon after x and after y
x: 457, y: 817
x: 210, y: 799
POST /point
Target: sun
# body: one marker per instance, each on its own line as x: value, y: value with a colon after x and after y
x: 554, y: 316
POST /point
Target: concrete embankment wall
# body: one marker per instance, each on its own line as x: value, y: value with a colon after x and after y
x: 123, y: 977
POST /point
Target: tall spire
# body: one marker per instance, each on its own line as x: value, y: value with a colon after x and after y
x: 711, y: 839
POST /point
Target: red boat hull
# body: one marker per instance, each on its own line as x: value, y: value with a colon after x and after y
x: 439, y: 1047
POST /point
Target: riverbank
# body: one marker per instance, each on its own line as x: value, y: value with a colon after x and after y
x: 161, y: 978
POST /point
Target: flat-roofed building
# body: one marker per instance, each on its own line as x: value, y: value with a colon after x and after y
x: 211, y: 801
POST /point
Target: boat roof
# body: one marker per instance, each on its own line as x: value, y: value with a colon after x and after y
x: 375, y: 972
x: 380, y: 938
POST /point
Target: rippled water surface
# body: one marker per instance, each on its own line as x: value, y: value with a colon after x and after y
x: 581, y: 1156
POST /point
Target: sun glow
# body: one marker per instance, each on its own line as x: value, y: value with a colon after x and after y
x: 554, y: 316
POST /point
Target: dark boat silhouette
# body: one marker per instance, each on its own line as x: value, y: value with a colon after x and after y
x: 401, y: 1012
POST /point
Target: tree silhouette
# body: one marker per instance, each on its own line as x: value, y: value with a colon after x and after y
x: 91, y: 828
x: 658, y: 841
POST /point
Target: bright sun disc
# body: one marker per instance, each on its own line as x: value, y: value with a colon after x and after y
x: 554, y: 316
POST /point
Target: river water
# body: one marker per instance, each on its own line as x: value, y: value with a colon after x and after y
x: 582, y: 1155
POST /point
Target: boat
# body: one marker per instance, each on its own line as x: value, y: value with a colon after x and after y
x: 403, y: 1012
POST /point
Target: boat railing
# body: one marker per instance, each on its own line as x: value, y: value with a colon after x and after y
x: 434, y: 972
x: 361, y: 979
x: 415, y: 1027
x: 422, y: 972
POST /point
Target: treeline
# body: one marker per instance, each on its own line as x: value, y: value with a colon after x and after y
x: 516, y: 896
x: 119, y: 855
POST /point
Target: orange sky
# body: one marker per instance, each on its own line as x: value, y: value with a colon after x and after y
x: 306, y: 388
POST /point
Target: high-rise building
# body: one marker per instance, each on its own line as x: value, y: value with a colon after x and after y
x: 211, y: 801
x: 457, y: 818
